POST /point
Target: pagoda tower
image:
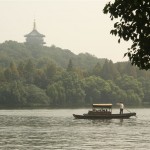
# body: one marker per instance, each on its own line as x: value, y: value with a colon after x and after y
x: 34, y: 37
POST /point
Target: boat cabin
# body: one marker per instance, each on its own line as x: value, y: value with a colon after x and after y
x: 103, y: 109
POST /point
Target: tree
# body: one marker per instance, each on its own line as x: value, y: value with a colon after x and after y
x: 134, y: 25
x: 95, y: 87
x: 29, y: 70
x: 50, y: 70
x: 70, y: 65
x: 97, y: 69
x: 2, y: 77
x: 11, y: 73
x: 130, y: 70
x: 133, y: 89
x: 146, y: 89
x: 40, y: 79
x: 56, y: 92
x: 12, y: 94
x: 73, y: 88
x: 115, y: 94
x: 36, y: 96
x: 20, y: 69
x: 109, y: 71
x: 14, y: 71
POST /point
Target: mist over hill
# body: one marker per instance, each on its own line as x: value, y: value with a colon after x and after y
x: 17, y: 52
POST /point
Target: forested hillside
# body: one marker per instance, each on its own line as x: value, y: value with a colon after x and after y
x: 17, y: 52
x: 34, y: 76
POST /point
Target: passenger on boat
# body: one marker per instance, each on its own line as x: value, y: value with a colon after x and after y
x: 94, y: 109
x: 121, y: 107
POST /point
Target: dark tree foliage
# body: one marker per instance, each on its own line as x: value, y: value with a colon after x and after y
x: 70, y: 65
x: 134, y: 25
x: 39, y: 79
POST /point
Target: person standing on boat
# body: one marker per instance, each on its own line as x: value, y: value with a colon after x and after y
x: 121, y: 107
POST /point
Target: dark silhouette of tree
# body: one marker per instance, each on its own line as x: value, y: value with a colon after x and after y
x: 109, y: 71
x: 70, y: 65
x: 133, y: 25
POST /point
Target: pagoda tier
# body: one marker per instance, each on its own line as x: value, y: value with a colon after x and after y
x: 34, y: 37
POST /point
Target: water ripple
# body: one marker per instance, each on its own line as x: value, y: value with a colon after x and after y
x: 57, y: 129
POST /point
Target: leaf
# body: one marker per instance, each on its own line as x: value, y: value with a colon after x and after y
x: 125, y: 54
x: 129, y: 54
x: 133, y: 23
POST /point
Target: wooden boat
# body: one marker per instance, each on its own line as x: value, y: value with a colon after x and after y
x: 103, y: 111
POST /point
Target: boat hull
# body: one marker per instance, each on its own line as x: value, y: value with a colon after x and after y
x: 111, y: 116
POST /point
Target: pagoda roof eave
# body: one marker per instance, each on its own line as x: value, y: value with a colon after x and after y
x: 34, y: 33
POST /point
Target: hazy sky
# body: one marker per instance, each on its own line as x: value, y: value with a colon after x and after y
x: 77, y: 25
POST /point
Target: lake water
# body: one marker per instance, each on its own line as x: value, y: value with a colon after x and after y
x: 50, y: 129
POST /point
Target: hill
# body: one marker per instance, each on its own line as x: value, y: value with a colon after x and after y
x: 35, y: 76
x: 17, y: 52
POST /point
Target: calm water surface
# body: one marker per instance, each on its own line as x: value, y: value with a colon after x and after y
x: 46, y: 129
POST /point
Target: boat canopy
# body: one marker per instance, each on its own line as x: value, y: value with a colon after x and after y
x: 103, y: 105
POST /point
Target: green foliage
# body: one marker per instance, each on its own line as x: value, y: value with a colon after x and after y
x: 19, y: 52
x: 97, y: 69
x: 133, y: 88
x: 29, y: 71
x: 12, y: 94
x: 40, y: 79
x: 133, y: 25
x: 70, y: 66
x: 100, y: 91
x: 94, y: 88
x: 73, y: 88
x: 50, y: 70
x: 11, y: 73
x: 53, y: 77
x: 87, y: 61
x: 36, y: 96
x: 146, y: 89
x: 11, y: 51
x: 67, y: 91
x: 57, y: 94
x: 17, y: 94
x: 116, y: 94
x: 109, y: 71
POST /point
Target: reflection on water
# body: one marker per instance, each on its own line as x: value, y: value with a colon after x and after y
x: 57, y: 129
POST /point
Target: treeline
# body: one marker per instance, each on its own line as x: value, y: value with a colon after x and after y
x: 17, y: 52
x: 37, y: 81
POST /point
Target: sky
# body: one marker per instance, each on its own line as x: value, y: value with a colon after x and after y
x: 77, y: 25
